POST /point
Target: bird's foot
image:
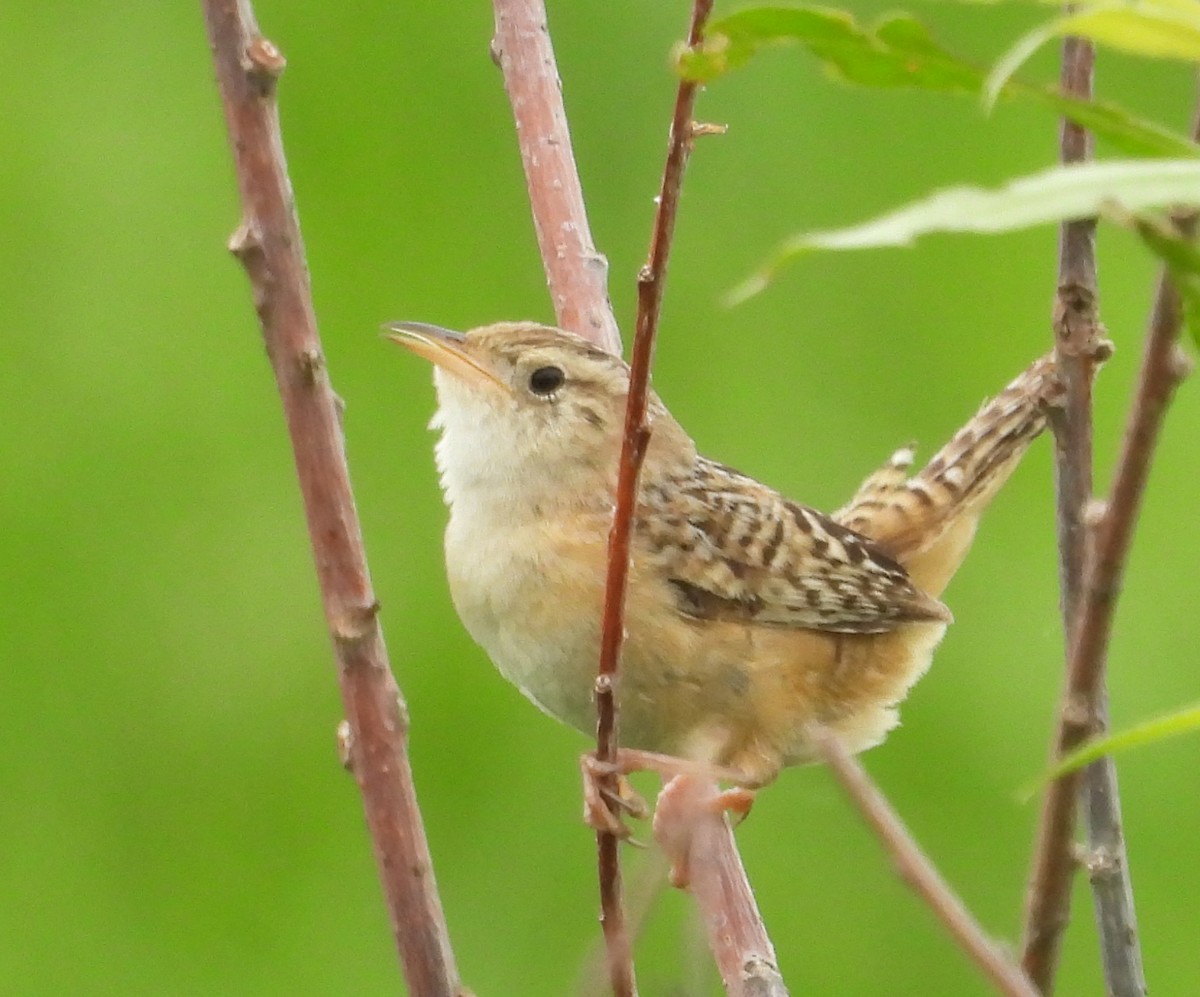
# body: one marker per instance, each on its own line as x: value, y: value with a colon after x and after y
x: 608, y: 797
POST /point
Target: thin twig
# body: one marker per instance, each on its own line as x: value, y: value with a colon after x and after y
x: 269, y: 245
x: 1164, y: 366
x: 737, y: 935
x: 577, y: 277
x: 647, y: 884
x: 1077, y: 336
x: 918, y: 872
x: 524, y: 53
x: 1091, y: 563
x: 635, y: 439
x: 575, y: 272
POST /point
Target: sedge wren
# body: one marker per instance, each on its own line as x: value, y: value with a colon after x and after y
x: 749, y: 617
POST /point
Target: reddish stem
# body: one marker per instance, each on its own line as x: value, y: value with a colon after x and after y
x: 269, y: 245
x: 636, y: 437
x: 1077, y: 334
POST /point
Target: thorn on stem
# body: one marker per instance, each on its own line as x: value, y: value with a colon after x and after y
x: 355, y: 623
x: 1077, y: 713
x: 312, y: 364
x: 245, y: 240
x: 1100, y: 862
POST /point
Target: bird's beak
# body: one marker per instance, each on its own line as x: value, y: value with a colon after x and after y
x: 444, y: 347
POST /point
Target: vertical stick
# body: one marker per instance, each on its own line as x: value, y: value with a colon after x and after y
x: 576, y: 273
x: 1076, y: 335
x: 269, y: 245
x: 1092, y: 562
x: 651, y: 281
x: 525, y: 55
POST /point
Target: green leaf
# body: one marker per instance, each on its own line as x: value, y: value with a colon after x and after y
x: 1182, y: 258
x: 1159, y: 29
x: 899, y: 52
x: 1055, y: 194
x: 1152, y: 731
x: 1126, y: 133
x: 1155, y: 30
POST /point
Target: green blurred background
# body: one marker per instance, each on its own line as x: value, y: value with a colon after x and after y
x: 173, y: 819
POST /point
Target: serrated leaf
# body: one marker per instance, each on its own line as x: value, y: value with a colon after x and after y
x: 1053, y: 195
x: 1182, y: 721
x: 899, y: 52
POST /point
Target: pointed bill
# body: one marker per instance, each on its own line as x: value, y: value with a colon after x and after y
x: 443, y: 347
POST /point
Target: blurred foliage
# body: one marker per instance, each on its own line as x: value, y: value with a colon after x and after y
x: 1140, y: 735
x: 1115, y: 190
x: 174, y: 819
x: 898, y: 51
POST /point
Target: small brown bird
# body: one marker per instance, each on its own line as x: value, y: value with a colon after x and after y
x: 749, y: 617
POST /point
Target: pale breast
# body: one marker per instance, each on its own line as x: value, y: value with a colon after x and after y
x: 530, y: 595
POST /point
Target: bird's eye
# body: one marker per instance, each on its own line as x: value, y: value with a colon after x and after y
x: 546, y: 380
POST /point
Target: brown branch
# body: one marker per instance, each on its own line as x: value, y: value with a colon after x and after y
x: 635, y: 439
x: 918, y: 872
x: 1164, y: 366
x: 1091, y: 563
x: 1077, y: 338
x: 575, y: 272
x: 523, y: 50
x: 269, y: 245
x: 691, y: 826
x: 737, y: 936
x: 577, y: 276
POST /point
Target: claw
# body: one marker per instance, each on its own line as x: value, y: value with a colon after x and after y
x: 607, y: 796
x: 738, y: 801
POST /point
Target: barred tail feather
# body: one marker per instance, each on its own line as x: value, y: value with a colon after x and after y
x: 927, y: 521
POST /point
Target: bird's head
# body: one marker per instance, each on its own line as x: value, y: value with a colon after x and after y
x: 528, y: 408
